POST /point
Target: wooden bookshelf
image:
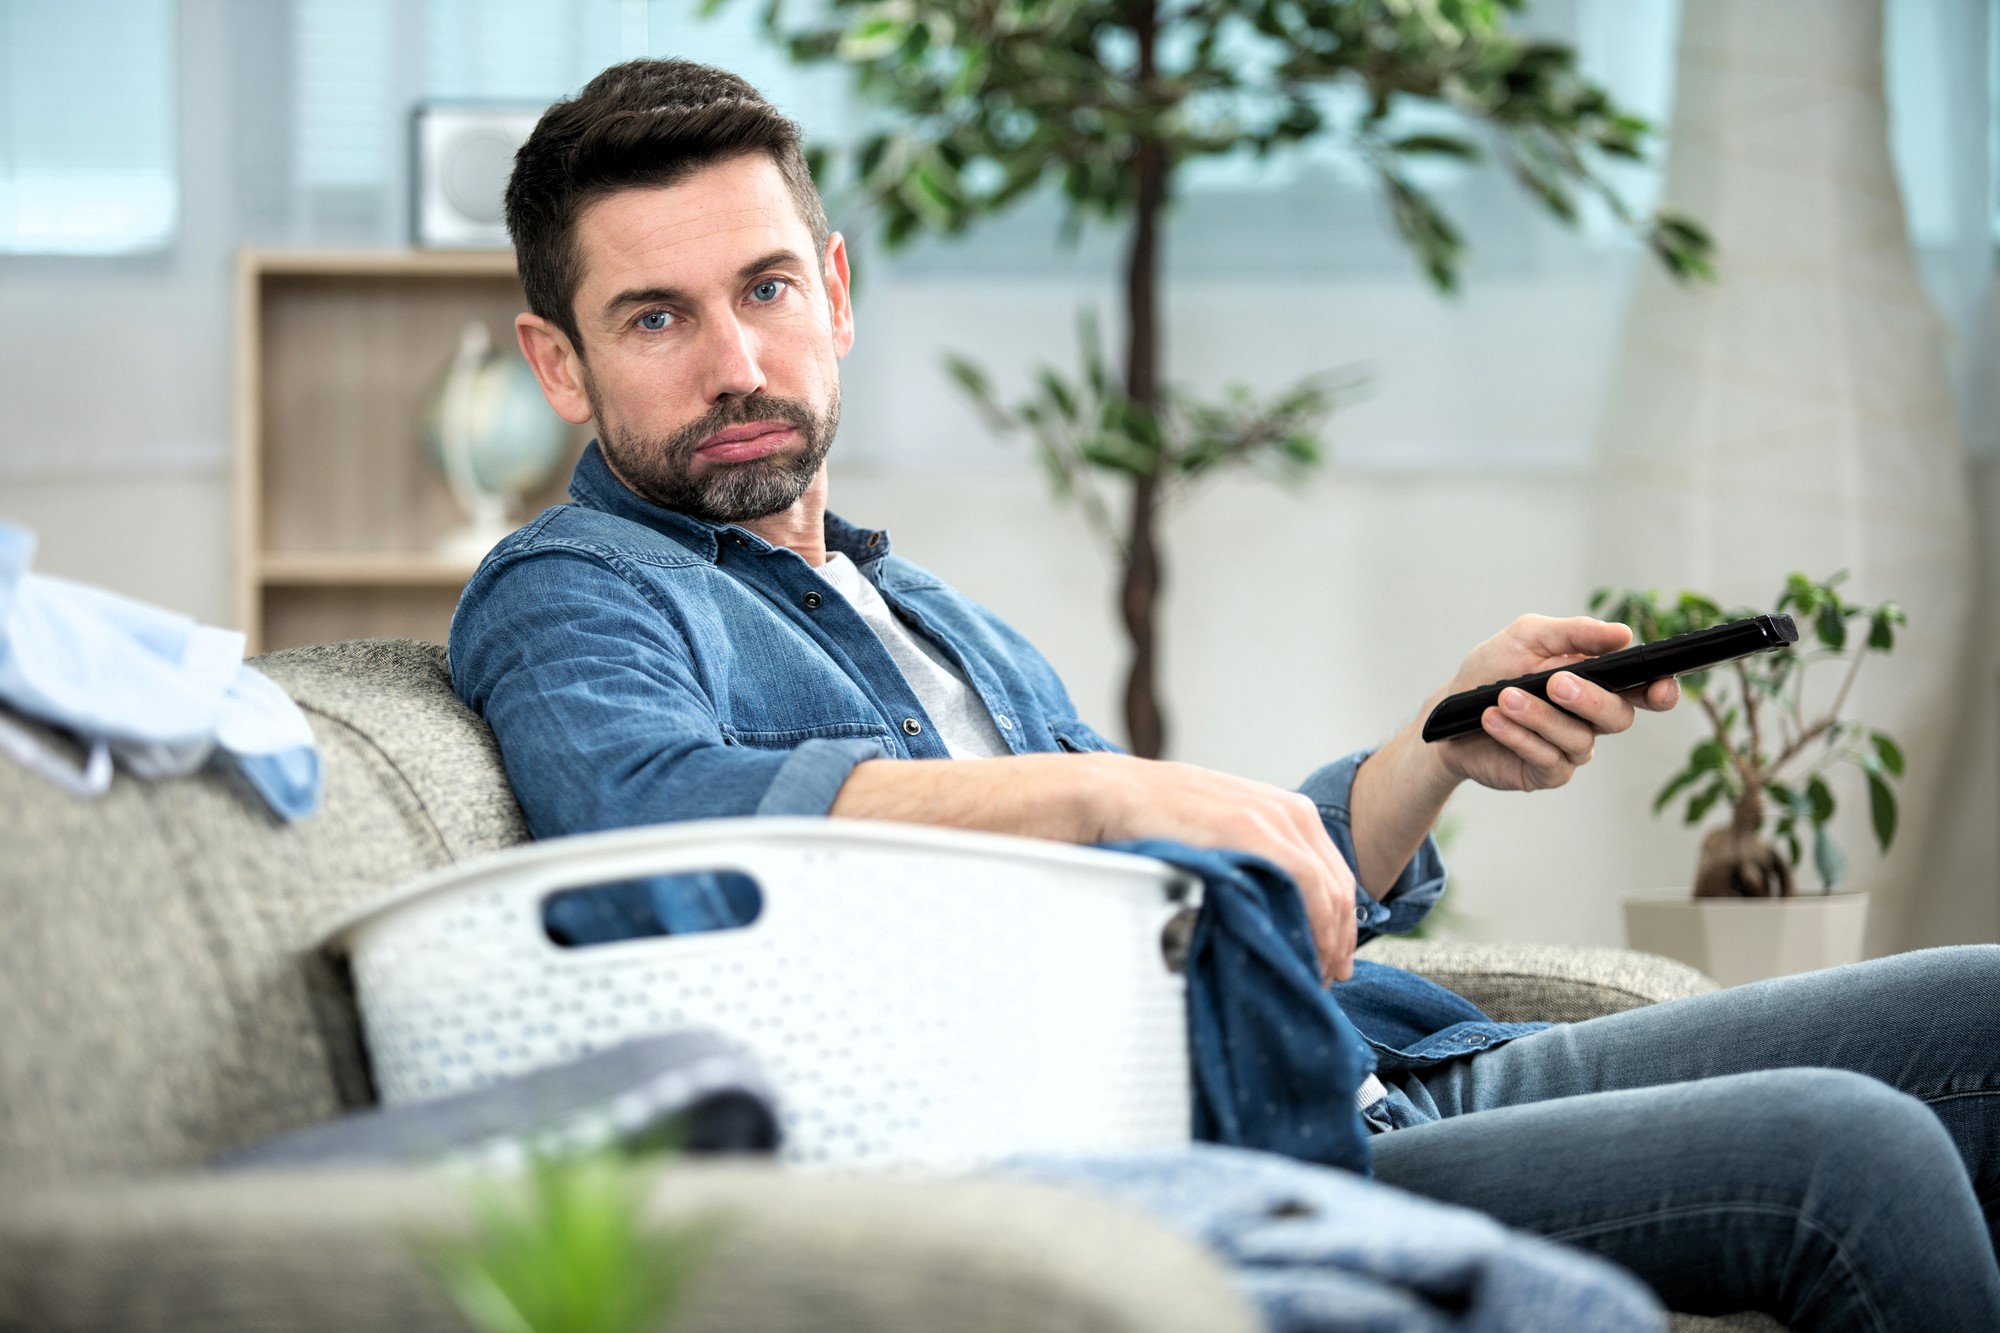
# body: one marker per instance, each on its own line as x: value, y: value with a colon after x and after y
x: 338, y: 514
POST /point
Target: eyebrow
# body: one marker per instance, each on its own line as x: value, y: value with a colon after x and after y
x: 625, y: 300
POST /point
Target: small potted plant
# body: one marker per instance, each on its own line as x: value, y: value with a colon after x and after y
x: 1765, y: 760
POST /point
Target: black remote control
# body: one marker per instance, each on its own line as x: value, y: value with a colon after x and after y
x: 1626, y: 669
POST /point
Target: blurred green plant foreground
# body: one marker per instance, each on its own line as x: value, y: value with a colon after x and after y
x: 566, y: 1246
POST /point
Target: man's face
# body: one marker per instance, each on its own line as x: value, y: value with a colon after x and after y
x: 711, y: 341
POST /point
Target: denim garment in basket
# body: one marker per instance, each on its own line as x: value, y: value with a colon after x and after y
x: 638, y: 666
x: 1275, y: 1063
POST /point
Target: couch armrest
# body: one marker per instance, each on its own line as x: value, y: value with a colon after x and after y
x: 1556, y: 983
x: 810, y: 1252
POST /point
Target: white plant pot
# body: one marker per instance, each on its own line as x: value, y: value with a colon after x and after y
x: 1736, y: 940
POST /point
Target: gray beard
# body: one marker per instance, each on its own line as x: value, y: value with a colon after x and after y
x: 660, y: 470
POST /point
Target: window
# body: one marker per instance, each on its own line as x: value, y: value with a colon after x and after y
x: 87, y: 127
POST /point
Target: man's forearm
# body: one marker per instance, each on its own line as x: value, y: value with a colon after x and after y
x: 1114, y: 797
x: 1034, y: 795
x: 1398, y: 794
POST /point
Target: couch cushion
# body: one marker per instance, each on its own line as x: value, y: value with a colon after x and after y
x: 161, y: 993
x: 1553, y: 983
x: 797, y: 1252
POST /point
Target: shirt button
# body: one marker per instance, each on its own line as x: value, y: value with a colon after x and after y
x: 912, y: 727
x: 812, y: 601
x: 1006, y: 724
x: 874, y: 539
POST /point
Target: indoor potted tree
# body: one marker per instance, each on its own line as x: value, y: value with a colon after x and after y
x: 1110, y: 100
x: 1765, y: 760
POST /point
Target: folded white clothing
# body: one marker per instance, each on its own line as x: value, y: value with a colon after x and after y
x: 147, y: 687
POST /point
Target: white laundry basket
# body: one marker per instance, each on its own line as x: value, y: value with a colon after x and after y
x: 918, y: 996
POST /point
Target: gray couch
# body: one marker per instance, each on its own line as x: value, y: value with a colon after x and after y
x: 160, y: 1001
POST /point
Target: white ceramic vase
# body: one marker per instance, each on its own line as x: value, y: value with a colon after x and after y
x: 1735, y: 940
x: 1796, y: 413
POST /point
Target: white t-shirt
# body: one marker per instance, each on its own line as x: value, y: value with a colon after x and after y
x: 956, y: 710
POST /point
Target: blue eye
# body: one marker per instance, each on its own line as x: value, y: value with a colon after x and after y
x: 654, y: 320
x: 771, y: 285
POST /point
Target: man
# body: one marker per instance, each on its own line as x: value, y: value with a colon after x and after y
x: 697, y: 636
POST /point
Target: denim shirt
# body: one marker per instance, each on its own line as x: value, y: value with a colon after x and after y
x: 638, y: 665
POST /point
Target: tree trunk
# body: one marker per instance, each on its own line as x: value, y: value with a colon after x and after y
x: 1736, y: 863
x: 1139, y: 595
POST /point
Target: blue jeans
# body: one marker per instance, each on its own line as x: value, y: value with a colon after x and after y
x: 1825, y: 1147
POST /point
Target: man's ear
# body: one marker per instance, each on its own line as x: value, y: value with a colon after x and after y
x: 556, y: 365
x: 841, y: 308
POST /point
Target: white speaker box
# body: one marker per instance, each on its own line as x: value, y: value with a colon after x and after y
x: 461, y: 155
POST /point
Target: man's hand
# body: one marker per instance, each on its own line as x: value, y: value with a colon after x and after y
x: 1140, y: 798
x: 1524, y: 744
x: 1529, y: 744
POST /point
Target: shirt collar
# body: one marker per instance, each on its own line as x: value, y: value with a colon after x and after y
x: 594, y: 486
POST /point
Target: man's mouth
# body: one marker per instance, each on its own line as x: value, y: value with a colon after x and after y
x: 740, y: 443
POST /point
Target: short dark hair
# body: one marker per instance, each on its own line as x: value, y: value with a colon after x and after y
x: 642, y: 124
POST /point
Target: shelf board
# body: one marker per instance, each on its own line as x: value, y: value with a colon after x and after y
x: 362, y: 569
x: 382, y: 263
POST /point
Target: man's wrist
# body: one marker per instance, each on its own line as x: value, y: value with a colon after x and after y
x: 1423, y: 771
x: 1096, y: 791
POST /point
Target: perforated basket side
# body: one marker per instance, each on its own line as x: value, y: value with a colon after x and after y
x: 911, y: 1003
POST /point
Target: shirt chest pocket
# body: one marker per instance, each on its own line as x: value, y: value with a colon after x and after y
x: 789, y: 738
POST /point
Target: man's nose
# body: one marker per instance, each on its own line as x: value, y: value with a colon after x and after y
x: 731, y: 360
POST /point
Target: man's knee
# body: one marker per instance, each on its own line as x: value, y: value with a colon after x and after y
x: 1955, y: 983
x: 1850, y: 1122
x: 1968, y: 965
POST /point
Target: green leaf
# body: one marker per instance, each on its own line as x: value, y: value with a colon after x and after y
x: 1832, y: 625
x: 1697, y: 611
x: 1675, y: 785
x: 1882, y: 810
x: 1115, y: 453
x: 1440, y: 145
x: 1889, y: 752
x: 1703, y: 802
x: 1094, y: 373
x: 567, y: 1246
x: 1424, y: 226
x: 1685, y: 249
x: 969, y: 376
x: 1882, y: 624
x: 930, y: 197
x: 1827, y: 858
x: 874, y: 37
x: 1058, y: 393
x: 1821, y: 797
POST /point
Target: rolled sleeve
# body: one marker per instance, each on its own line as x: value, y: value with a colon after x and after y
x: 812, y: 775
x: 1421, y: 882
